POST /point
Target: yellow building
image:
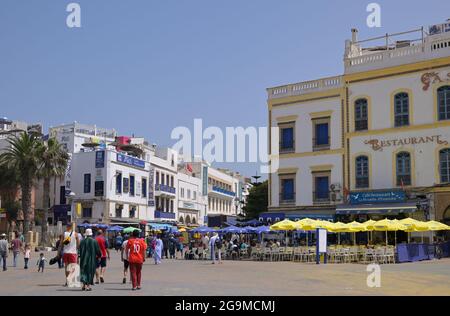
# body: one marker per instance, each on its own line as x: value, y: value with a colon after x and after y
x: 381, y: 128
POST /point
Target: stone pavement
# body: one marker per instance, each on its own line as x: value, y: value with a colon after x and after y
x: 238, y: 278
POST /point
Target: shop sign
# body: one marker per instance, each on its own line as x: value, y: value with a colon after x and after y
x: 99, y: 159
x: 377, y: 197
x: 130, y: 161
x: 379, y: 145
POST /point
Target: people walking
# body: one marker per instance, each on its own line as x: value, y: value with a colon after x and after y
x: 158, y: 249
x: 60, y: 257
x: 136, y: 248
x: 172, y: 246
x: 69, y: 244
x: 16, y: 246
x: 3, y: 250
x: 41, y: 262
x: 124, y: 258
x: 101, y: 265
x: 212, y: 247
x: 26, y: 255
x: 89, y: 254
x: 118, y: 242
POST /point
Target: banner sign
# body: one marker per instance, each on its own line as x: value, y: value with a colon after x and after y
x: 99, y: 159
x: 205, y: 180
x: 130, y: 161
x: 377, y: 197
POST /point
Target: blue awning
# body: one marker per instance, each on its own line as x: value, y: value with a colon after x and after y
x: 378, y: 209
x: 158, y: 226
x: 274, y: 217
x: 297, y: 217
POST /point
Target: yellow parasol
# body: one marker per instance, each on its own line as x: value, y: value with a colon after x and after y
x: 338, y: 228
x: 386, y: 225
x: 436, y: 226
x: 413, y: 225
x: 284, y: 225
x: 307, y: 224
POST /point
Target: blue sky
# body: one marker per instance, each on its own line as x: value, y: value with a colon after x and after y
x: 145, y: 67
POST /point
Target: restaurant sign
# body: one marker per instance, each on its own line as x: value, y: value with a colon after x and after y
x: 379, y: 145
x: 377, y: 197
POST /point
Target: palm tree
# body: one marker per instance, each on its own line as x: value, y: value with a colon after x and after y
x: 23, y: 156
x: 53, y: 164
x: 9, y: 189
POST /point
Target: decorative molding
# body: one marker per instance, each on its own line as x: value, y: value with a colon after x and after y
x: 430, y: 78
x: 287, y: 171
x: 321, y: 168
x: 322, y: 114
x: 287, y: 119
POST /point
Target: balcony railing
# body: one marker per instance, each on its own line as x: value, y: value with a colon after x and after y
x: 321, y: 197
x: 305, y: 87
x: 165, y: 188
x: 318, y: 147
x: 287, y: 147
x: 223, y: 191
x: 287, y: 198
x: 164, y: 215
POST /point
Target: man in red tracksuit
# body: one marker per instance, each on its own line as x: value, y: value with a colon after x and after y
x: 136, y: 248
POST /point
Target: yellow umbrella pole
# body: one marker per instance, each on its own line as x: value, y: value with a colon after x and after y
x: 339, y: 238
x: 422, y: 237
x: 386, y: 239
x: 354, y: 239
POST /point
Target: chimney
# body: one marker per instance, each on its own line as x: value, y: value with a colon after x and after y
x: 354, y: 35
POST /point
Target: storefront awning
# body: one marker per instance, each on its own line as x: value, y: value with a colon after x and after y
x: 296, y: 217
x: 158, y: 226
x: 379, y: 209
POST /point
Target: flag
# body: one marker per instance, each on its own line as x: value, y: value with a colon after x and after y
x: 189, y: 167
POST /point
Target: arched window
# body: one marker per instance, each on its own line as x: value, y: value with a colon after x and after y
x: 194, y: 221
x: 361, y: 115
x: 401, y: 109
x: 181, y: 220
x: 188, y: 219
x: 403, y: 162
x: 443, y: 95
x: 362, y: 172
x: 444, y: 165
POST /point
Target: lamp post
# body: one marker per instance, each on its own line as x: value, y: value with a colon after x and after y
x: 71, y: 197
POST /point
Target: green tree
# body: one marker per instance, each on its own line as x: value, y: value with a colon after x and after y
x: 53, y: 160
x: 257, y: 200
x: 9, y: 188
x: 22, y: 156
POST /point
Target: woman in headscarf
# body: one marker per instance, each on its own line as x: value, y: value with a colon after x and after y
x: 89, y: 254
x: 158, y: 249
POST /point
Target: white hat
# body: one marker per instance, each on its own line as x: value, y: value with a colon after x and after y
x: 3, y: 235
x: 88, y: 232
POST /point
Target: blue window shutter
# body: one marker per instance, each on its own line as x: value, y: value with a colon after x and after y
x: 322, y: 185
x: 322, y: 134
x: 287, y: 137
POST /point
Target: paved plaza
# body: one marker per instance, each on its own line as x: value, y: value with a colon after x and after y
x: 241, y: 278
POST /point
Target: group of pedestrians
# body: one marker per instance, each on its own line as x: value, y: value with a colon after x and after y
x: 17, y: 246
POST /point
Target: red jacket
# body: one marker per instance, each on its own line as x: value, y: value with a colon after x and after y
x: 136, y: 248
